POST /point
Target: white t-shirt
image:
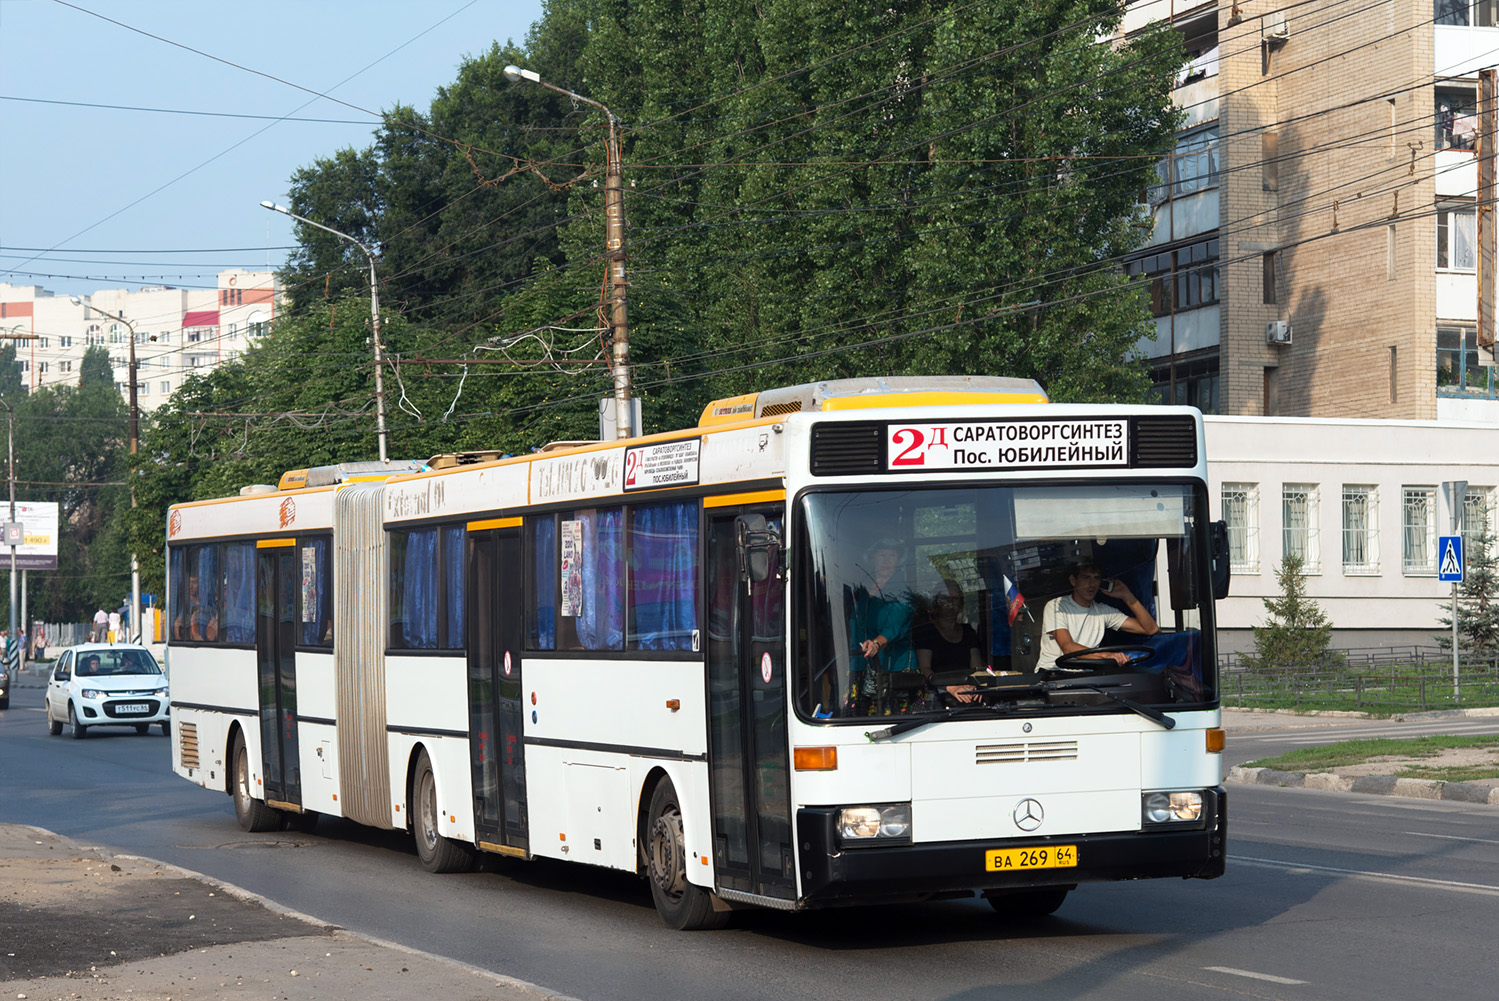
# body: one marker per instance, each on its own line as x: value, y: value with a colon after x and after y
x: 1084, y: 625
x: 100, y: 617
x: 114, y: 621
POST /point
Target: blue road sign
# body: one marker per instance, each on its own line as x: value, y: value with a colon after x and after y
x: 1450, y: 559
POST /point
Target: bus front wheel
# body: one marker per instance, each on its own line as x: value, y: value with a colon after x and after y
x: 681, y: 904
x: 252, y: 814
x: 436, y: 852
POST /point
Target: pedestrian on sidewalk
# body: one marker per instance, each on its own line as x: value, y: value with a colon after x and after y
x: 101, y: 624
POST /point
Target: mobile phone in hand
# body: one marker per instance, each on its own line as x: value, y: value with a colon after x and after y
x: 1108, y: 585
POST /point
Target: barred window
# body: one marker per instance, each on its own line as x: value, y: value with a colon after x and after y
x: 1299, y: 530
x: 1418, y: 520
x: 1360, y: 529
x: 1478, y: 513
x: 1241, y: 509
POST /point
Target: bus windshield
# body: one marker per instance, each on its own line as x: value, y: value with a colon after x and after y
x: 933, y: 600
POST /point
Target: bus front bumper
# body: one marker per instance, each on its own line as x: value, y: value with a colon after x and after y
x: 833, y: 875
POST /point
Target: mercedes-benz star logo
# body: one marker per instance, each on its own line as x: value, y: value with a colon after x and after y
x: 1028, y: 814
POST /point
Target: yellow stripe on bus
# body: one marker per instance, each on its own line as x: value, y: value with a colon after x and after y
x: 479, y: 526
x: 275, y: 543
x: 754, y: 497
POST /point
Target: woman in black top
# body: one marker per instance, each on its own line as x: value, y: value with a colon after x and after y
x: 946, y: 644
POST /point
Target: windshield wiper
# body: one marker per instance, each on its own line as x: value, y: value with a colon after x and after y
x: 1154, y: 715
x: 915, y: 722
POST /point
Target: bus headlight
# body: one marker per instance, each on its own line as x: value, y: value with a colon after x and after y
x: 875, y: 823
x: 1172, y: 807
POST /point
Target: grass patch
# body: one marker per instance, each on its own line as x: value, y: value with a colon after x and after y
x: 1357, y: 752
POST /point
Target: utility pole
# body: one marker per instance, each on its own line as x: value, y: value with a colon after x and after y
x: 614, y: 253
x: 135, y: 434
x: 374, y: 315
x: 1485, y: 204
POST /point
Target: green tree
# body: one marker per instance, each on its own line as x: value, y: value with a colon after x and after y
x: 12, y: 385
x: 96, y: 369
x: 1477, y: 600
x: 70, y: 444
x: 1298, y: 632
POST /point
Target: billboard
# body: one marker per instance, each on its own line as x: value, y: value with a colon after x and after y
x: 39, y: 521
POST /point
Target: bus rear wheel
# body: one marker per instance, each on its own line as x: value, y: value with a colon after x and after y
x: 1029, y: 903
x: 252, y: 814
x: 682, y: 905
x: 436, y: 852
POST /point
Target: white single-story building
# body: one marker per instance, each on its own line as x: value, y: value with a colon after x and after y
x: 1363, y: 502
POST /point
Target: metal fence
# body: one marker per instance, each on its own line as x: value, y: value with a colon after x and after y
x: 1413, y: 680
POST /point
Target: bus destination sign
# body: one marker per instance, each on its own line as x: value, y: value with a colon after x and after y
x: 670, y: 464
x: 1068, y: 443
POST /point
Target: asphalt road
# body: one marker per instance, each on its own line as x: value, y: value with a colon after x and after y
x: 1328, y: 896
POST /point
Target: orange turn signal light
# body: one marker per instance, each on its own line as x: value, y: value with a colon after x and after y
x: 815, y: 759
x: 1216, y: 739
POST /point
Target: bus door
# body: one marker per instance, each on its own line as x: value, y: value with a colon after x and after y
x: 495, y: 631
x: 749, y: 756
x: 275, y: 655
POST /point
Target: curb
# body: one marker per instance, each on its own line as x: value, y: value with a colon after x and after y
x: 1375, y: 785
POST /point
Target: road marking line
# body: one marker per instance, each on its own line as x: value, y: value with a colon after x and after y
x: 1251, y: 974
x: 1301, y: 868
x: 1446, y: 837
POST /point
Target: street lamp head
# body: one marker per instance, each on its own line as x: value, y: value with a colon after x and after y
x: 75, y: 300
x: 275, y: 208
x: 515, y: 75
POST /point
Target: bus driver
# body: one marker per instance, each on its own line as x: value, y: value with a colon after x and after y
x: 1077, y: 621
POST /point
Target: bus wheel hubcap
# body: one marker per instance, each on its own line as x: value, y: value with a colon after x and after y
x: 668, y: 866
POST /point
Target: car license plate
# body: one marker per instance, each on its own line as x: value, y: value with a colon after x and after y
x: 136, y: 708
x: 1048, y: 857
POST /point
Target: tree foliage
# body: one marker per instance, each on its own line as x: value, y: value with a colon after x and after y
x: 812, y: 190
x: 1298, y: 632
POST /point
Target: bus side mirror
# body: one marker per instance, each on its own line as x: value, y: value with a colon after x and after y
x: 1219, y: 533
x: 758, y: 542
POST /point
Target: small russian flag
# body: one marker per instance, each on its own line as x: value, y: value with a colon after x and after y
x: 1014, y: 600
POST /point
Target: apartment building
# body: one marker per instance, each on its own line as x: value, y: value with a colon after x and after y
x: 1313, y: 245
x: 177, y: 330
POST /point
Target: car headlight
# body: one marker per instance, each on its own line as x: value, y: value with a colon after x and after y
x: 1172, y: 807
x: 875, y: 823
x: 160, y: 693
x: 91, y: 693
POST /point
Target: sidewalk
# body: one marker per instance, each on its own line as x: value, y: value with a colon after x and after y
x: 80, y: 924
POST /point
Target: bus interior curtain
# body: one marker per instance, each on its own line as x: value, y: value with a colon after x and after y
x: 419, y: 590
x: 239, y: 577
x: 665, y: 563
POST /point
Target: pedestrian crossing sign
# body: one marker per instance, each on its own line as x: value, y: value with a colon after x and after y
x: 1450, y: 559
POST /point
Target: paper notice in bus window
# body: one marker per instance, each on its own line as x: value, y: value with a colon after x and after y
x: 309, y: 584
x: 572, y: 568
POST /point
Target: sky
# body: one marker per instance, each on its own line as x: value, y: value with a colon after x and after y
x: 102, y: 197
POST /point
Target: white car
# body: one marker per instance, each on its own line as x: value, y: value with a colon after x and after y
x: 107, y: 684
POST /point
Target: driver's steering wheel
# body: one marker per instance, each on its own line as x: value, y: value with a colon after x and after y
x: 1080, y: 659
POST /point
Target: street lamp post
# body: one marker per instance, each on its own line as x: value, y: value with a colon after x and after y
x: 374, y: 314
x: 614, y: 217
x: 10, y: 440
x: 135, y: 414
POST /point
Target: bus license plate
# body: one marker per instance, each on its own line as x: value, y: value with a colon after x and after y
x: 1049, y: 857
x: 133, y: 708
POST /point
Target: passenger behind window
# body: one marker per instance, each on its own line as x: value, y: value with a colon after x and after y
x: 947, y: 643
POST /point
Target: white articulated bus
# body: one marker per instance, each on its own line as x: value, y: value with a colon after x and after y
x: 793, y: 657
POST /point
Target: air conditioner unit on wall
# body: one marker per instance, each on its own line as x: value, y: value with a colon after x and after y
x: 1278, y: 332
